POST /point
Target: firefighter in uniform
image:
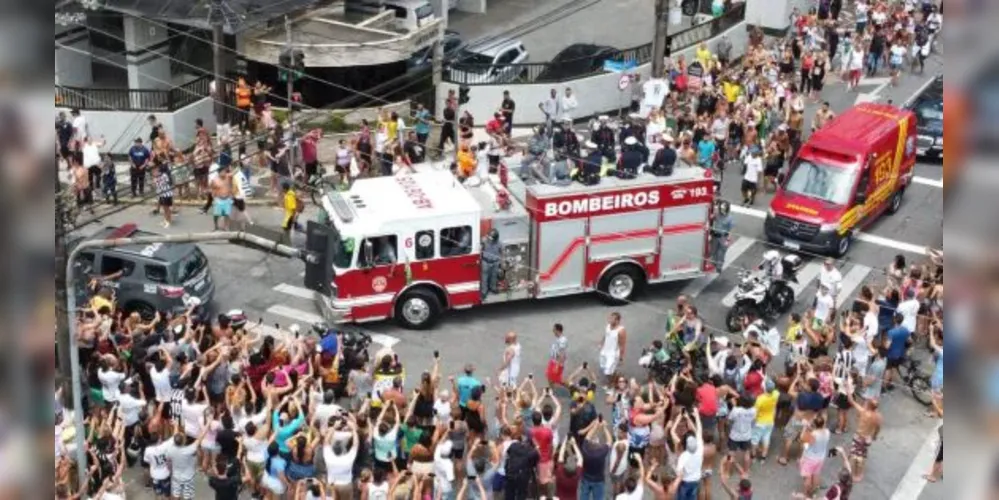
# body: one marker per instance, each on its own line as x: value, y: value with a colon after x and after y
x: 603, y: 137
x: 492, y: 251
x: 721, y: 230
x: 590, y: 167
x: 631, y: 159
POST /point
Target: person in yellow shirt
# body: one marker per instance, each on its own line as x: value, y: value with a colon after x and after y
x: 793, y: 328
x: 467, y: 164
x: 292, y: 207
x: 703, y: 55
x: 732, y: 89
x: 766, y: 414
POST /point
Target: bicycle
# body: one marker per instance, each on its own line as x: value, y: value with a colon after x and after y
x: 916, y: 381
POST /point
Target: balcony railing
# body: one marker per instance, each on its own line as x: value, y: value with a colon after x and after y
x: 167, y: 100
x: 565, y: 70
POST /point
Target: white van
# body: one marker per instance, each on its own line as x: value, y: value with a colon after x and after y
x: 410, y: 15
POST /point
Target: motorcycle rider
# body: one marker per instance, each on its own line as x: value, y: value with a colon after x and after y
x: 771, y: 266
x: 721, y: 234
x: 492, y: 251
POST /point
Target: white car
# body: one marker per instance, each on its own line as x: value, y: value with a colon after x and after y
x: 493, y: 63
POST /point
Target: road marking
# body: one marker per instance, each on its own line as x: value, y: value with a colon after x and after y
x: 296, y: 314
x: 805, y: 276
x: 880, y: 80
x: 737, y: 248
x: 937, y: 183
x: 297, y: 291
x: 912, y: 483
x: 384, y: 340
x: 866, y: 237
x: 850, y: 282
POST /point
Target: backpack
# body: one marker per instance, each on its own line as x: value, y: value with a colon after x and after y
x: 521, y: 459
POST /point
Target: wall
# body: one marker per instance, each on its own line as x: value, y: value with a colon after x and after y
x: 773, y: 16
x: 120, y: 128
x: 73, y: 68
x: 148, y: 58
x: 595, y: 94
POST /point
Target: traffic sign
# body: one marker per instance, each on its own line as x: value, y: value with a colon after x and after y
x: 623, y: 82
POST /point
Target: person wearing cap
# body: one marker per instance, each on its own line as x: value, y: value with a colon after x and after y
x: 603, y: 138
x: 631, y: 159
x: 665, y: 159
x: 591, y: 165
x: 138, y: 157
x: 766, y: 413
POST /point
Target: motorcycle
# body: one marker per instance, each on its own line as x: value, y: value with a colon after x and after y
x: 763, y: 297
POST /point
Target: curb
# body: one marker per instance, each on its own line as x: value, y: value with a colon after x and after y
x: 252, y: 202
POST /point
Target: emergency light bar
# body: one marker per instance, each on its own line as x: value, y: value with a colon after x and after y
x: 339, y: 206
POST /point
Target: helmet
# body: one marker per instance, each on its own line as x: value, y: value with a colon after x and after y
x: 320, y: 328
x: 771, y: 256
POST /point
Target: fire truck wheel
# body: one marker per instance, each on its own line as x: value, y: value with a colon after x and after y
x: 896, y: 202
x: 620, y: 284
x: 418, y: 309
x: 843, y: 245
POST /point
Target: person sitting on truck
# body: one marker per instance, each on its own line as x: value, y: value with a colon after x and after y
x: 384, y: 251
x: 537, y: 148
x: 665, y: 159
x: 466, y: 161
x: 630, y: 161
x: 590, y: 167
x: 603, y: 137
x: 456, y: 241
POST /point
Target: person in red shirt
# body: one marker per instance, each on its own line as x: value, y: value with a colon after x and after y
x: 544, y: 441
x: 568, y: 471
x: 310, y: 154
x: 753, y: 382
x: 707, y: 403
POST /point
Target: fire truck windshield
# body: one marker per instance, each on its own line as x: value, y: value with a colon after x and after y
x: 343, y: 250
x: 823, y: 182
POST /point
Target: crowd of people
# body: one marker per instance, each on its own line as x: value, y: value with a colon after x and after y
x: 299, y: 417
x: 314, y: 416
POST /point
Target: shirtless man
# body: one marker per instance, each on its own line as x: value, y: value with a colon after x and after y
x: 81, y: 186
x: 823, y: 116
x: 221, y: 189
x: 868, y: 427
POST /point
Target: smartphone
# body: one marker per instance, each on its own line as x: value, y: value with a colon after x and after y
x: 530, y: 376
x: 585, y: 364
x: 437, y: 354
x: 833, y: 452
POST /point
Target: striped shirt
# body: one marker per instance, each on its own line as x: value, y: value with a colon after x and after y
x: 164, y: 189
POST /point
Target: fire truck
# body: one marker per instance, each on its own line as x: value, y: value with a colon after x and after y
x: 408, y: 247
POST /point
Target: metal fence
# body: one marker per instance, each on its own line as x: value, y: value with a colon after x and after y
x: 571, y: 69
x: 133, y: 99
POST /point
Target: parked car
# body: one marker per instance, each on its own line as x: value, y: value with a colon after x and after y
x: 410, y: 15
x: 928, y: 107
x: 492, y: 64
x: 148, y: 278
x: 424, y: 58
x: 576, y: 60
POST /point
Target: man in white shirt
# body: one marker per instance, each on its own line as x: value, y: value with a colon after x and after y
x: 909, y: 309
x: 751, y: 175
x: 155, y: 457
x: 326, y: 409
x: 80, y: 128
x: 832, y: 279
x: 183, y: 456
x: 823, y: 307
x: 340, y: 460
x: 567, y: 106
x: 550, y: 108
x: 690, y: 463
x: 110, y: 382
x: 443, y: 469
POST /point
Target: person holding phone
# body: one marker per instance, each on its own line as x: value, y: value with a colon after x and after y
x: 815, y: 448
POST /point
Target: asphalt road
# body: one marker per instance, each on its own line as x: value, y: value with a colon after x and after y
x: 270, y: 288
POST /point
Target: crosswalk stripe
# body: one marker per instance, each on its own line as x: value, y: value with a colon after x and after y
x: 737, y: 248
x: 295, y: 314
x: 384, y: 340
x: 850, y: 282
x: 805, y: 276
x: 297, y: 291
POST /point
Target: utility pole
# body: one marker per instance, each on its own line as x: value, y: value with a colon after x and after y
x: 61, y: 290
x: 661, y: 40
x: 438, y: 61
x: 290, y: 89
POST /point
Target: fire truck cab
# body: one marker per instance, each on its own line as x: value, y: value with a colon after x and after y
x: 409, y: 247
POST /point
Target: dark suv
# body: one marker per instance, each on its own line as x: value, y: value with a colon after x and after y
x: 154, y: 277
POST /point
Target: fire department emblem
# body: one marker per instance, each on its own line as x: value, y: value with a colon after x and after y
x: 379, y: 284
